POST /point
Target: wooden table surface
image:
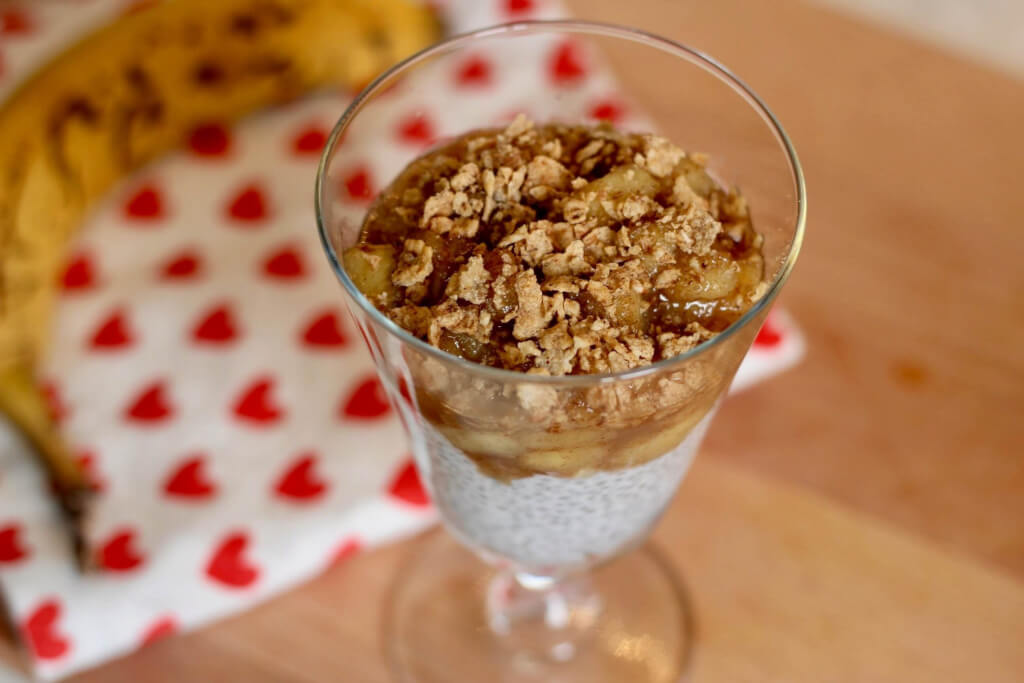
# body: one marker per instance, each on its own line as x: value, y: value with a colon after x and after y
x: 860, y: 518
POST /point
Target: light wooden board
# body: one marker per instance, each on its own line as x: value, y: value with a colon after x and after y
x: 788, y: 588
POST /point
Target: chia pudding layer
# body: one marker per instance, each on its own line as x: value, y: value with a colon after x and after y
x: 543, y: 521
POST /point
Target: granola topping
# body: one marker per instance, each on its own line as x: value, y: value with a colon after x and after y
x: 560, y: 249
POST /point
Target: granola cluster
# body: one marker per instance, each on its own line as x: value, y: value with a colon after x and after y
x: 559, y: 250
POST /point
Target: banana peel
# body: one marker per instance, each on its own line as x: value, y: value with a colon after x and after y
x: 126, y: 94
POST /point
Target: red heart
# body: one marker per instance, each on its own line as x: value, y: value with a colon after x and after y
x: 209, y: 140
x: 608, y: 110
x: 300, y: 482
x: 407, y: 486
x: 161, y: 628
x: 518, y: 6
x: 359, y: 185
x: 41, y: 631
x: 183, y: 266
x: 216, y: 327
x: 255, y: 404
x: 78, y: 274
x: 347, y: 549
x: 325, y: 331
x: 249, y: 205
x: 566, y: 63
x: 769, y: 336
x: 228, y: 565
x: 285, y: 263
x: 368, y: 401
x: 146, y: 204
x: 190, y: 481
x: 54, y: 403
x: 87, y: 463
x: 310, y: 141
x: 119, y: 554
x: 112, y: 333
x: 12, y: 548
x: 474, y: 72
x: 403, y: 389
x: 150, y: 406
x: 416, y: 129
x: 15, y: 22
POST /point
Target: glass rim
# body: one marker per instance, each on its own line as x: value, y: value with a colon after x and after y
x: 667, y: 45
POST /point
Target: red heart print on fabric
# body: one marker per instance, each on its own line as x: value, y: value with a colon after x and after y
x: 12, y: 548
x: 161, y: 628
x: 146, y: 205
x: 407, y: 487
x: 228, y: 565
x: 324, y: 332
x: 87, y: 462
x: 190, y: 480
x: 150, y: 406
x: 256, y: 406
x: 284, y: 264
x: 367, y: 401
x: 210, y: 140
x: 607, y: 110
x: 309, y: 141
x: 403, y: 390
x: 249, y: 205
x: 55, y: 404
x: 113, y: 333
x: 358, y: 184
x: 769, y: 335
x: 14, y: 22
x: 216, y: 327
x: 566, y: 63
x: 42, y: 632
x: 300, y: 481
x: 475, y: 72
x: 79, y: 274
x: 183, y: 266
x: 119, y: 553
x: 518, y: 7
x: 416, y: 129
x: 348, y: 548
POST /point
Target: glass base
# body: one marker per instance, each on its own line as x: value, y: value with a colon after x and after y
x: 452, y: 618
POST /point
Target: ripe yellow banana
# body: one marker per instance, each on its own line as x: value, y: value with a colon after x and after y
x: 126, y: 94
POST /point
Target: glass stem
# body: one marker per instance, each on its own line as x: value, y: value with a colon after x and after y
x: 542, y: 618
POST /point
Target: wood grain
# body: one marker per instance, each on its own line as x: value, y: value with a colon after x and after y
x: 911, y: 292
x: 788, y: 588
x: 910, y: 286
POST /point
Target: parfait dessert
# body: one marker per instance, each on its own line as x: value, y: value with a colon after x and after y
x: 555, y: 267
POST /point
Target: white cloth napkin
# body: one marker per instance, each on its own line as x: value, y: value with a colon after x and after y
x: 207, y: 375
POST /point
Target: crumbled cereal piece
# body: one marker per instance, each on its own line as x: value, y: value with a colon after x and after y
x: 569, y: 262
x: 414, y: 318
x: 660, y: 155
x: 414, y: 265
x: 543, y: 171
x: 519, y: 125
x: 530, y: 319
x: 471, y: 282
x: 438, y: 205
x: 466, y: 178
x: 536, y: 246
x: 561, y: 283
